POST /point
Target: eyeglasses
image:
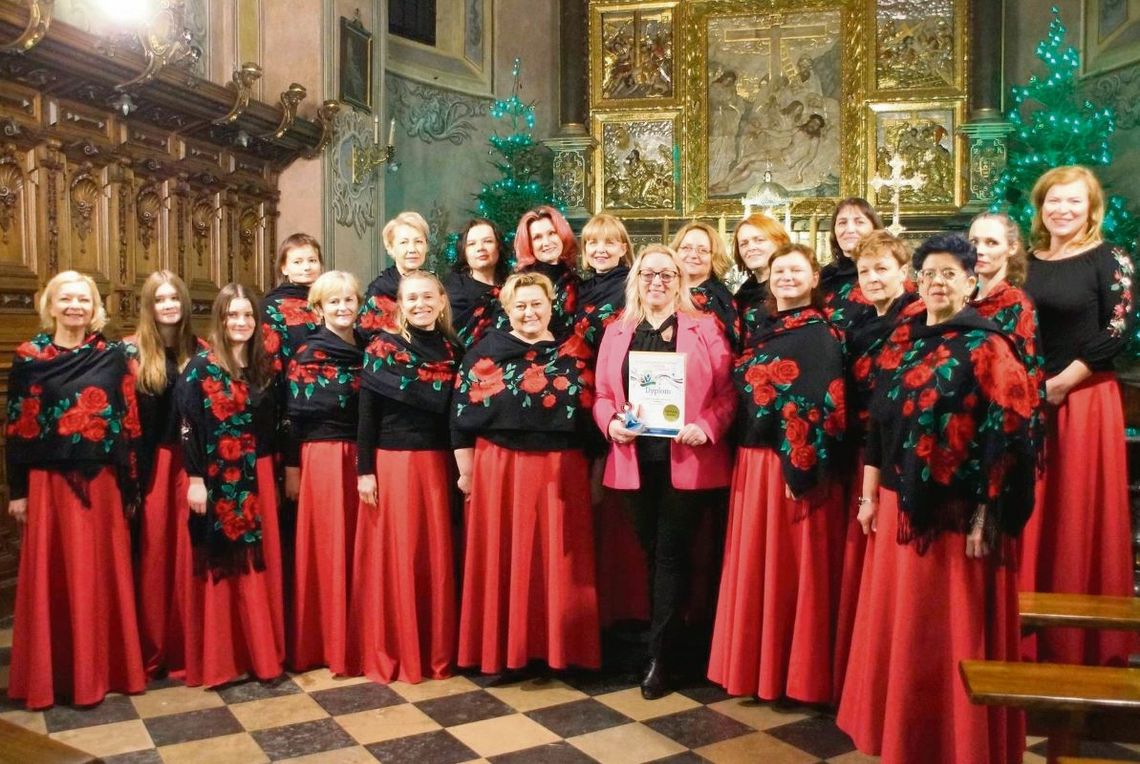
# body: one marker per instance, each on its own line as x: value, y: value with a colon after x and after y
x: 689, y: 248
x: 948, y: 275
x: 666, y: 277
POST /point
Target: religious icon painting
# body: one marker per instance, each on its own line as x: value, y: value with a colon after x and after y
x: 638, y: 168
x: 633, y: 61
x: 919, y: 46
x: 355, y: 64
x: 1111, y: 34
x: 923, y: 136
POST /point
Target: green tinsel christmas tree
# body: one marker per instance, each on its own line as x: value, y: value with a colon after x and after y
x: 1055, y: 125
x: 524, y: 168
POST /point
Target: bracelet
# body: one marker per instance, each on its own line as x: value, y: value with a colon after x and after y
x: 864, y: 500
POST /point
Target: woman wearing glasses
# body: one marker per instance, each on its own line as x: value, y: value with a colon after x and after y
x: 668, y: 481
x: 947, y: 488
x: 1079, y: 539
x: 706, y: 262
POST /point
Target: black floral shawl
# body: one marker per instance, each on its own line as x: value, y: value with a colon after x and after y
x: 324, y: 385
x: 505, y: 383
x: 750, y: 301
x: 791, y: 388
x: 600, y: 301
x: 862, y: 342
x: 475, y: 307
x: 73, y: 410
x: 950, y: 427
x: 379, y: 310
x: 843, y: 301
x: 713, y: 297
x: 418, y: 370
x: 218, y: 420
x: 287, y: 320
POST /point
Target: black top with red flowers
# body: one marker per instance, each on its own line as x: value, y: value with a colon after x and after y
x: 523, y: 396
x: 379, y: 311
x: 227, y: 424
x: 323, y: 384
x: 288, y: 321
x: 475, y: 307
x: 950, y: 427
x: 1084, y: 305
x: 791, y: 388
x: 862, y: 342
x: 713, y: 297
x: 74, y: 411
x: 750, y: 300
x: 405, y: 395
x: 600, y: 301
x: 843, y: 301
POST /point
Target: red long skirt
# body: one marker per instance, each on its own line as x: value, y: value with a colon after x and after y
x: 322, y: 568
x: 623, y: 576
x: 918, y: 617
x: 1078, y: 540
x: 165, y: 565
x: 402, y: 618
x: 76, y: 632
x: 779, y: 589
x: 236, y: 625
x: 854, y: 556
x: 528, y: 576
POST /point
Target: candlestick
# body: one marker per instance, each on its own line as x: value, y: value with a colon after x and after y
x: 376, y: 128
x: 392, y: 132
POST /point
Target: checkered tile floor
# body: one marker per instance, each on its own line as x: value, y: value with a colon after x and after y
x: 314, y: 717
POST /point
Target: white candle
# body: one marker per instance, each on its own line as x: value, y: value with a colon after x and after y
x: 392, y: 132
x: 376, y: 128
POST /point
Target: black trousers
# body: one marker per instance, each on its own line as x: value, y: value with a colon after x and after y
x: 666, y: 520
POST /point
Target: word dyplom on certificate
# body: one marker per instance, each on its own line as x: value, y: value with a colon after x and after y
x: 657, y: 392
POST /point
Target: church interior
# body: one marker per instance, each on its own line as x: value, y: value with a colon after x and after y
x: 194, y: 135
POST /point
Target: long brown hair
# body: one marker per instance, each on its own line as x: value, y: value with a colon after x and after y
x: 256, y: 370
x: 152, y: 349
x: 864, y: 207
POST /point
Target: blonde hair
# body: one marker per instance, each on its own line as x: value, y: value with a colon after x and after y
x: 634, y: 312
x: 412, y: 220
x: 256, y: 370
x: 1017, y: 262
x: 600, y: 228
x: 331, y: 283
x: 1039, y: 236
x: 517, y: 281
x: 98, y: 314
x: 152, y: 349
x: 721, y: 261
x: 442, y: 321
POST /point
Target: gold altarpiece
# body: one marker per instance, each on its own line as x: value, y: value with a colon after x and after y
x: 692, y: 101
x: 186, y: 180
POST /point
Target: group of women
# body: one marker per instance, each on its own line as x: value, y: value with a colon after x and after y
x: 897, y: 460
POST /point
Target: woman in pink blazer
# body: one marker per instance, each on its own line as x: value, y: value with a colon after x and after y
x: 667, y: 481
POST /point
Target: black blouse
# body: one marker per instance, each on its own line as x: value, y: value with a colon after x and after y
x: 650, y: 340
x: 1084, y: 304
x: 392, y: 425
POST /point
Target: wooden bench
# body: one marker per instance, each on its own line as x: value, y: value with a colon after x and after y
x: 1062, y: 703
x: 1083, y: 611
x: 21, y: 746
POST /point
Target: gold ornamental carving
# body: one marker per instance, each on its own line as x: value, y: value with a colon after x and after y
x: 148, y: 208
x: 83, y: 193
x: 244, y: 78
x: 11, y: 186
x: 248, y: 223
x: 39, y: 20
x: 290, y: 99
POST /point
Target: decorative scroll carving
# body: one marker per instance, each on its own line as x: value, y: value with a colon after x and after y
x: 202, y: 216
x: 290, y: 100
x: 248, y: 223
x: 1121, y: 90
x: 243, y: 82
x: 148, y: 207
x: 432, y: 114
x: 354, y: 206
x: 11, y: 186
x: 166, y: 42
x: 39, y: 19
x: 326, y: 118
x: 84, y: 195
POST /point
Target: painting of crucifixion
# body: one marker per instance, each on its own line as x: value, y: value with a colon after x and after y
x: 774, y: 102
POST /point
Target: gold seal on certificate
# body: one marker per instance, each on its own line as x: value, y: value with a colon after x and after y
x: 657, y: 392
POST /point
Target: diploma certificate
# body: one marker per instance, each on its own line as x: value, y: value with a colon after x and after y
x: 657, y: 391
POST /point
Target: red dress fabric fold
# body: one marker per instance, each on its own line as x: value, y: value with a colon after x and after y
x: 165, y: 565
x: 322, y: 572
x: 918, y: 618
x: 76, y: 631
x: 854, y: 557
x: 623, y: 576
x: 528, y: 584
x: 1078, y: 540
x: 235, y: 625
x: 402, y: 614
x: 779, y: 589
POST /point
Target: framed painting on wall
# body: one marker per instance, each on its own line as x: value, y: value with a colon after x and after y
x: 924, y: 136
x: 634, y: 61
x: 638, y: 167
x: 355, y: 64
x: 1111, y: 34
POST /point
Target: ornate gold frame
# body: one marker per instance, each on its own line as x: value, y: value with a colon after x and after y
x: 958, y: 108
x: 961, y: 12
x: 596, y: 59
x: 857, y: 40
x: 598, y: 123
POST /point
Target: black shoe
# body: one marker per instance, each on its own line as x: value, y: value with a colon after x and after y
x: 656, y: 682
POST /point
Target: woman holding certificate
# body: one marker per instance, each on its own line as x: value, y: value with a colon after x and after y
x: 779, y: 588
x: 665, y: 402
